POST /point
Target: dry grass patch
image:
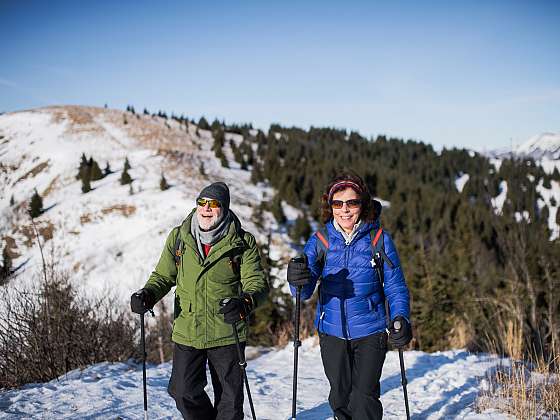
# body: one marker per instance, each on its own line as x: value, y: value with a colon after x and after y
x: 50, y: 188
x: 44, y: 228
x: 123, y: 209
x: 33, y: 172
x: 523, y: 390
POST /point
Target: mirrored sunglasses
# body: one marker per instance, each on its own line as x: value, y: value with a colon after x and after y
x: 214, y: 204
x: 351, y: 204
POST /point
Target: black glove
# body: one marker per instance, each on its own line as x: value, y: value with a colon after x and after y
x: 298, y: 272
x: 141, y: 301
x: 236, y: 309
x: 400, y: 332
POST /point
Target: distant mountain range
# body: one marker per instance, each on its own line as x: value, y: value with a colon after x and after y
x: 541, y: 146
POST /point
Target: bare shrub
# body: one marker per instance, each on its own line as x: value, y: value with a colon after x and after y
x: 49, y: 330
x: 524, y: 390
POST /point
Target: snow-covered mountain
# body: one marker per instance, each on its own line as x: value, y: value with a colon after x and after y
x: 109, y: 238
x: 546, y: 145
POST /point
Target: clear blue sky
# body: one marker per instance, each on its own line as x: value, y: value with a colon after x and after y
x: 475, y: 74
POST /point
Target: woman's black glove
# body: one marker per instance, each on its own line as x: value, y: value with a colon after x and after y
x: 141, y: 301
x: 298, y: 272
x: 236, y: 309
x: 400, y: 332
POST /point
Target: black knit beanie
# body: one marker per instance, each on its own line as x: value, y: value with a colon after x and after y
x: 218, y: 191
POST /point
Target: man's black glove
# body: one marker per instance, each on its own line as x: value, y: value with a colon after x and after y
x: 400, y: 332
x: 298, y: 272
x: 236, y: 309
x: 141, y: 301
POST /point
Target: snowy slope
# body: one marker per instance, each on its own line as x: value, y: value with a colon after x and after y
x: 546, y: 145
x: 441, y: 385
x: 109, y: 239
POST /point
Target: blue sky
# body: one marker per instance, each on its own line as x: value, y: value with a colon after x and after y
x: 478, y: 74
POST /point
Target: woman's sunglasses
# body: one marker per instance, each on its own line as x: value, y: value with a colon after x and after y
x: 214, y: 204
x: 351, y: 204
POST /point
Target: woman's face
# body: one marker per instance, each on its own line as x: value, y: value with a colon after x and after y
x: 346, y: 216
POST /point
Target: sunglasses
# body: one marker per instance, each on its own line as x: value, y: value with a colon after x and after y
x: 351, y: 204
x: 214, y: 204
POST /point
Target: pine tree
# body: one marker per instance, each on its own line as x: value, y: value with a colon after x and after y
x: 12, y: 201
x: 146, y: 112
x: 301, y: 229
x: 163, y: 185
x: 277, y: 211
x: 203, y: 124
x: 126, y: 164
x: 83, y: 167
x: 125, y: 177
x: 35, y: 205
x: 86, y: 184
x: 107, y: 170
x: 94, y: 170
x: 6, y: 268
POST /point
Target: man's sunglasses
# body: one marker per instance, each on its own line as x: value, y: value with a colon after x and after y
x: 351, y: 204
x: 214, y: 204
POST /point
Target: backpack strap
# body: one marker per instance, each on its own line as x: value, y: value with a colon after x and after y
x: 379, y: 255
x: 378, y: 249
x: 322, y: 245
x: 178, y: 249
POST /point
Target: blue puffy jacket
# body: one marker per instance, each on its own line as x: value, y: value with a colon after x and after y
x: 351, y: 298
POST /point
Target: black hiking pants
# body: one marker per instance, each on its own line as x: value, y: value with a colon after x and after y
x: 353, y: 368
x: 188, y: 379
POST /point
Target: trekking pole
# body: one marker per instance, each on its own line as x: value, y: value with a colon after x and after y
x: 297, y: 344
x: 143, y: 339
x: 243, y: 365
x: 379, y: 268
x: 242, y: 361
x: 404, y: 382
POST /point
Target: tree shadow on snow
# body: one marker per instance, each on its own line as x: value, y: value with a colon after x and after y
x: 422, y: 365
x: 320, y: 412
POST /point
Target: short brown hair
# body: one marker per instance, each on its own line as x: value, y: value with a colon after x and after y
x: 369, y: 211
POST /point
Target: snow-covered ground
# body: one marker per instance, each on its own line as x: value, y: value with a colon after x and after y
x: 441, y: 385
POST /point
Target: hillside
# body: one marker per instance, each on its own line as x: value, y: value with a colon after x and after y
x: 108, y: 238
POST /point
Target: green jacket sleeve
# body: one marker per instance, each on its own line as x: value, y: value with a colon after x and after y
x: 253, y: 277
x: 163, y: 277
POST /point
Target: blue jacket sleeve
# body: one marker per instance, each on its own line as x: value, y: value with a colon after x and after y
x: 315, y: 267
x: 396, y: 291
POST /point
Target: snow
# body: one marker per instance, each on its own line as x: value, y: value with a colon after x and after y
x: 441, y: 385
x: 461, y: 181
x: 499, y: 200
x: 541, y: 145
x: 550, y: 196
x: 524, y: 215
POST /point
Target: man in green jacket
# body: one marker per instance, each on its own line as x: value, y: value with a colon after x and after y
x: 218, y: 260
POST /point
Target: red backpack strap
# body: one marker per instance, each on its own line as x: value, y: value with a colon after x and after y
x: 378, y: 248
x: 322, y: 239
x: 376, y: 237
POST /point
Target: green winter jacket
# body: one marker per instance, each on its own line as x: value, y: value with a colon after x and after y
x: 203, y: 282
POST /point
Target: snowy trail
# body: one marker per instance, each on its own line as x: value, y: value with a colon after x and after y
x: 441, y: 385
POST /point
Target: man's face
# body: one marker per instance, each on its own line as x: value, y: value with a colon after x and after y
x: 207, y: 216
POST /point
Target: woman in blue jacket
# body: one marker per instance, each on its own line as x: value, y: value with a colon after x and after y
x: 351, y: 315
